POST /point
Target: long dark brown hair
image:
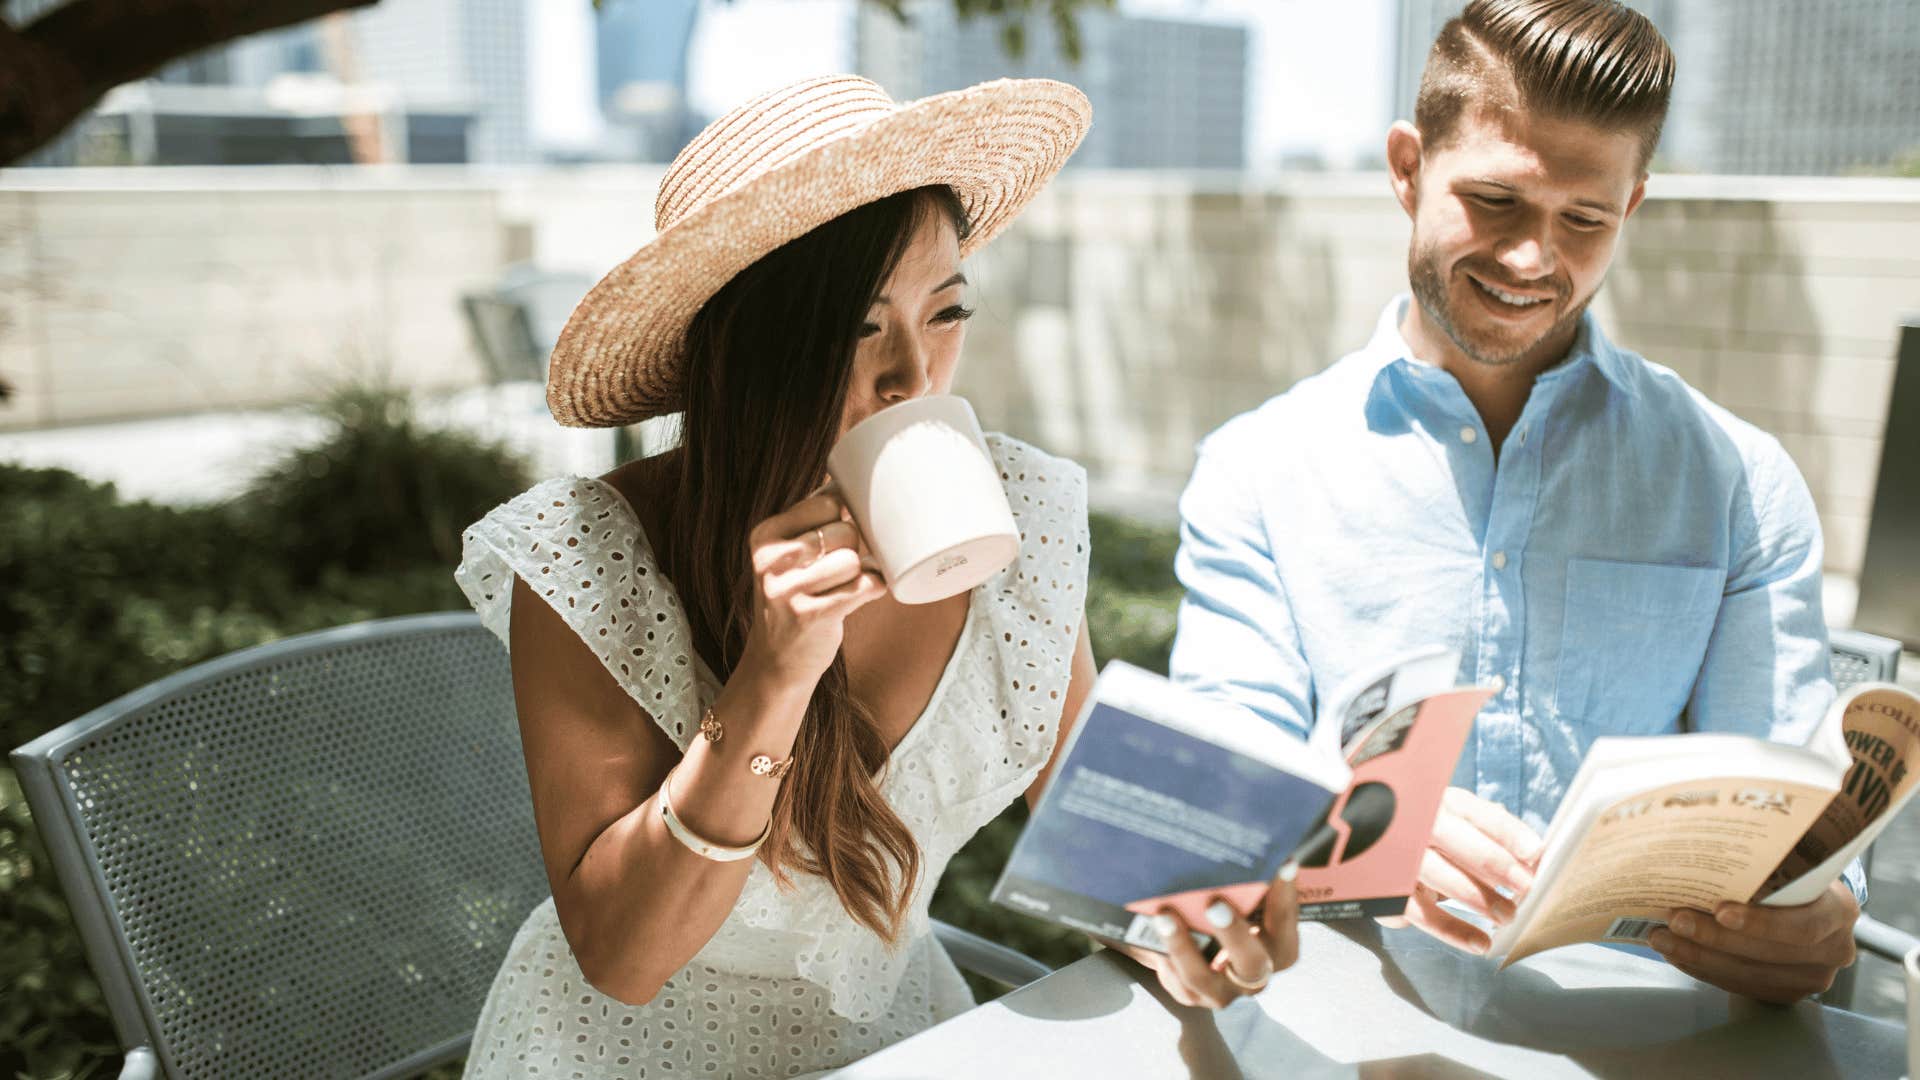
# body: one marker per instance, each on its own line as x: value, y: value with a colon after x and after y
x: 769, y: 364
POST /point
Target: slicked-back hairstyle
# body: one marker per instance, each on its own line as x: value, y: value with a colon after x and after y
x: 1596, y: 61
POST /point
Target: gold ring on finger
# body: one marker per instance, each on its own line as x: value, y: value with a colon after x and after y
x: 1250, y: 987
x: 819, y: 543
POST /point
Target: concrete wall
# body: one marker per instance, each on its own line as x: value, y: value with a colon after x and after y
x: 130, y: 293
x: 1121, y: 319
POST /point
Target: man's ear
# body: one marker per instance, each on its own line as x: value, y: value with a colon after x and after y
x: 1403, y: 164
x: 1633, y: 200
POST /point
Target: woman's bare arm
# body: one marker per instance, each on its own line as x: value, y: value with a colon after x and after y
x: 635, y: 903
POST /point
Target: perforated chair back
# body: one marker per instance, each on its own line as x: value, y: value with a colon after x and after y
x: 1860, y: 657
x: 305, y: 859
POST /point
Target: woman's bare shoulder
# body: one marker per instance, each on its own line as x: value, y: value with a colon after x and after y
x: 648, y: 484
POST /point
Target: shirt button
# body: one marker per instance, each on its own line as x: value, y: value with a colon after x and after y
x: 1521, y: 434
x: 1468, y: 435
x: 1497, y: 684
x: 1499, y: 560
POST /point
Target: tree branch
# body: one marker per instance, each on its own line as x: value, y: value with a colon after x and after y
x: 62, y: 63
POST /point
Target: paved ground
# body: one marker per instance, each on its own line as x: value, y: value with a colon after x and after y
x: 196, y: 458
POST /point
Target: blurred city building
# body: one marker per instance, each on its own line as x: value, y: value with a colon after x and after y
x: 291, y: 120
x: 404, y: 81
x: 443, y: 50
x: 642, y: 48
x: 1167, y: 93
x: 1770, y: 87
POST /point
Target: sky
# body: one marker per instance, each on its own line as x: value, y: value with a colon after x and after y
x: 1320, y: 79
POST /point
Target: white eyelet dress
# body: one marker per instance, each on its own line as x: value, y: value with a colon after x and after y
x: 790, y: 984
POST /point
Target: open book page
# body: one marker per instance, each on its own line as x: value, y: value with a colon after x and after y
x: 1654, y: 824
x: 1880, y: 723
x: 1163, y: 797
x: 1381, y: 695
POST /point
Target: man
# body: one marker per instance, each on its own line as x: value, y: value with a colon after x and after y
x: 1611, y: 552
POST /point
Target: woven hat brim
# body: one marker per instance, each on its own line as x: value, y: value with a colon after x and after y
x: 620, y: 357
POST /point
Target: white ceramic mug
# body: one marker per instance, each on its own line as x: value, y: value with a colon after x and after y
x: 926, y: 495
x: 1912, y: 966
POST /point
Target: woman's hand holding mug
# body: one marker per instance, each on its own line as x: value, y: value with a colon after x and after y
x: 808, y: 576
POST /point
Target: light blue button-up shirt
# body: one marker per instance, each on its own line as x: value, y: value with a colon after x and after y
x: 1637, y: 561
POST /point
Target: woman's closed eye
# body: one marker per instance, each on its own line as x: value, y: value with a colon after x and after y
x: 946, y: 316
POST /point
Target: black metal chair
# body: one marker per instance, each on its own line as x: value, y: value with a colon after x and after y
x: 308, y: 858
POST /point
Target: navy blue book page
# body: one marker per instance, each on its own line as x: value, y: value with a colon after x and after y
x: 1140, y: 810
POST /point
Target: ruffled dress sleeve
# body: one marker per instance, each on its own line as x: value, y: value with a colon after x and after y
x: 580, y: 548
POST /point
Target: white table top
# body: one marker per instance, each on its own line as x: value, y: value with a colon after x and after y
x: 1369, y: 1002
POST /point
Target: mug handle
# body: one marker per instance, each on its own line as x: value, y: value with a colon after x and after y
x: 830, y: 486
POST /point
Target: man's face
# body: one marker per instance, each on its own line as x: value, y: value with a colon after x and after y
x: 1514, y: 224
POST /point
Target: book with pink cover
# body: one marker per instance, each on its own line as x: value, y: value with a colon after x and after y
x: 1168, y: 798
x: 1400, y: 729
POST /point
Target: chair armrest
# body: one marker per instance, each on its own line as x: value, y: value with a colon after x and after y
x: 1873, y: 936
x: 988, y: 959
x: 140, y: 1064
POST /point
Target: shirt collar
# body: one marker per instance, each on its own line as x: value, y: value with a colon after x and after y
x: 1387, y: 350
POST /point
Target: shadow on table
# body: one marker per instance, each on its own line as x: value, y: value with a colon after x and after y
x: 1206, y: 1046
x: 1609, y: 1031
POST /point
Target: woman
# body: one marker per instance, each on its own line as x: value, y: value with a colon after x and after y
x: 690, y: 614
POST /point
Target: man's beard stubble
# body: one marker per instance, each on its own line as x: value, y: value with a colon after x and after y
x: 1430, y: 292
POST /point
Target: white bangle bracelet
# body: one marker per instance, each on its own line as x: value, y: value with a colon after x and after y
x: 696, y: 843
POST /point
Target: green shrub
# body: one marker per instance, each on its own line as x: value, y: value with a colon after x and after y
x: 52, y: 1021
x: 99, y: 596
x: 1132, y: 596
x: 382, y: 494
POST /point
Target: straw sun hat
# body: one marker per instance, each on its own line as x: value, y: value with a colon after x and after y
x: 777, y: 168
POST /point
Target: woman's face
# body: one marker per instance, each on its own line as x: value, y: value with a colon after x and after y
x: 910, y: 344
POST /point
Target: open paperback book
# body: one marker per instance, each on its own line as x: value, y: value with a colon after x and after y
x: 1660, y: 822
x: 1168, y: 798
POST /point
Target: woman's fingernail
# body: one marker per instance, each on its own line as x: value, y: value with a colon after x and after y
x: 1731, y: 917
x: 1683, y: 924
x: 1220, y: 915
x: 1289, y: 871
x: 1166, y: 925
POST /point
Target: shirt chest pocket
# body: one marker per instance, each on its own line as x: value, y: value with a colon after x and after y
x: 1632, y: 642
